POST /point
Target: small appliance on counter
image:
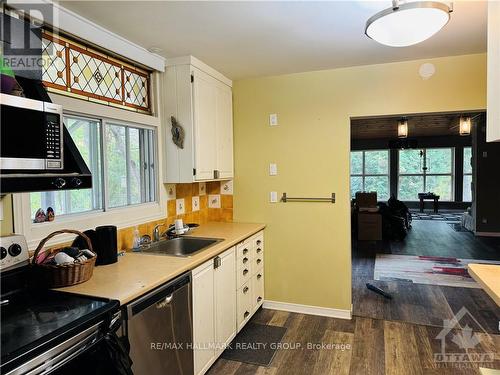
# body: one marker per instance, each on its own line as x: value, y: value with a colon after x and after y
x: 104, y: 241
x: 53, y: 332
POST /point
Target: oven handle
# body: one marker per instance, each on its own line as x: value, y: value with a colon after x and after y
x: 66, y: 355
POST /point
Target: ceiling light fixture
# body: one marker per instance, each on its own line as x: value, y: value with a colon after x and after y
x: 465, y: 125
x: 408, y: 23
x: 403, y: 128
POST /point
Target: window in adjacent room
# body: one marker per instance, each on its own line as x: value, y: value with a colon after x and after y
x: 427, y: 170
x: 121, y: 158
x: 467, y: 188
x: 370, y: 172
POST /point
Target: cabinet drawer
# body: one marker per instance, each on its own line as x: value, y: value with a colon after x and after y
x: 244, y: 249
x: 258, y: 289
x: 258, y: 262
x: 244, y: 261
x: 258, y: 240
x: 244, y: 302
x: 243, y: 274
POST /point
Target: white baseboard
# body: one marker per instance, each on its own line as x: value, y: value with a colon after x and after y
x: 487, y: 234
x: 307, y: 309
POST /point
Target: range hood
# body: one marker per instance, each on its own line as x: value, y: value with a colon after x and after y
x: 74, y: 175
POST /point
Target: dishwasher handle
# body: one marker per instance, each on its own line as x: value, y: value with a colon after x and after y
x: 160, y: 297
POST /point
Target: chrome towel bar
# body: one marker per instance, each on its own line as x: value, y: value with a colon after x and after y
x: 285, y: 199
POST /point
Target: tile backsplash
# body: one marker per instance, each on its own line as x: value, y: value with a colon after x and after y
x: 193, y: 203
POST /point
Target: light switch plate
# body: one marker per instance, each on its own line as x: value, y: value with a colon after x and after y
x: 273, y: 119
x: 273, y: 169
x: 273, y: 197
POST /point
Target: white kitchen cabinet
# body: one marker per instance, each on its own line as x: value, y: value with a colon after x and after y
x: 493, y: 71
x: 200, y: 99
x: 214, y: 308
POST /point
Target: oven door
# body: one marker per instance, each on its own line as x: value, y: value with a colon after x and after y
x: 31, y: 134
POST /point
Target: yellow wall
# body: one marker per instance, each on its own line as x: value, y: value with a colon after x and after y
x: 308, y: 244
x: 6, y: 224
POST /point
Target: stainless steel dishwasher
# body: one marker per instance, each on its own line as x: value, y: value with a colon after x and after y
x: 160, y: 331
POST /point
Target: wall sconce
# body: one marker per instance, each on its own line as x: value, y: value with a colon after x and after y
x: 403, y: 128
x: 465, y: 125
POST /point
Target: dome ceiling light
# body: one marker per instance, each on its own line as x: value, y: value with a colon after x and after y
x: 408, y: 23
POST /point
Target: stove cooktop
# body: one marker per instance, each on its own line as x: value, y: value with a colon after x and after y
x: 31, y: 319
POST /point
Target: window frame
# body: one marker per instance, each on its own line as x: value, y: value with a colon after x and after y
x: 466, y: 174
x: 122, y: 217
x: 424, y: 174
x: 363, y: 175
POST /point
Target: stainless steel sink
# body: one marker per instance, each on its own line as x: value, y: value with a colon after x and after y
x: 180, y: 247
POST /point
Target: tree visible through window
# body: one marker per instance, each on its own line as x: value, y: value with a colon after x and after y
x: 370, y: 172
x: 427, y: 170
x: 122, y: 155
x: 467, y: 186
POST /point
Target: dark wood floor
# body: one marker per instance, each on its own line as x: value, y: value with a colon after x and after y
x: 418, y: 303
x: 376, y: 347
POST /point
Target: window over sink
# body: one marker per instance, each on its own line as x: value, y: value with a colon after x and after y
x: 121, y: 157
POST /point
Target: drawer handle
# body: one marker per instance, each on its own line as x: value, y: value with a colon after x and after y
x: 246, y: 314
x: 245, y: 271
x: 259, y: 250
x: 259, y: 299
x: 259, y: 276
x: 245, y: 260
x: 245, y: 251
x: 245, y: 289
x: 259, y: 260
x: 165, y: 302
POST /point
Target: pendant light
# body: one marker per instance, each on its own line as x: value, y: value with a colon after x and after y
x: 403, y: 128
x: 408, y: 23
x: 465, y: 125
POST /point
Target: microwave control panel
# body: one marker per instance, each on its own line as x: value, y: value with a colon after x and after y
x: 54, y: 141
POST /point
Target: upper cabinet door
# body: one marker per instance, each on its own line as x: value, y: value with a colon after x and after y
x: 205, y: 129
x: 224, y: 131
x: 493, y: 110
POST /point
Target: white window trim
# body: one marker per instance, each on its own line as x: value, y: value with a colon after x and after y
x: 363, y: 175
x: 425, y: 175
x: 122, y: 217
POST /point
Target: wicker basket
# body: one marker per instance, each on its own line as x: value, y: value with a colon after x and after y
x: 55, y: 276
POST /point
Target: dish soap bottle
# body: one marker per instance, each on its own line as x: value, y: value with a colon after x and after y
x: 137, y: 240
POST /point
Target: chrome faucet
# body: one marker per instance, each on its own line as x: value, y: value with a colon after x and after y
x: 156, y: 232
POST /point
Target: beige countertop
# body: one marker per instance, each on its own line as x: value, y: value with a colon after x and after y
x: 135, y: 274
x: 488, y: 276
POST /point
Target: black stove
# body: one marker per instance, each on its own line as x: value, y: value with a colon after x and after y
x: 47, y: 331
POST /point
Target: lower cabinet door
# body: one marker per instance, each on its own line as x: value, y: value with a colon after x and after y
x: 258, y: 289
x: 244, y: 301
x: 225, y: 300
x: 203, y: 316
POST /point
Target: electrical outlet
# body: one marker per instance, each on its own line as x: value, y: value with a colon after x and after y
x: 273, y: 119
x: 484, y: 221
x: 273, y: 169
x: 273, y: 197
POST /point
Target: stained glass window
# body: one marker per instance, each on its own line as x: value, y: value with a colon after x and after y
x: 73, y: 69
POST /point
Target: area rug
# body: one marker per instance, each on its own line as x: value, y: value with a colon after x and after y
x: 429, y: 270
x: 441, y: 216
x: 255, y: 344
x: 457, y: 227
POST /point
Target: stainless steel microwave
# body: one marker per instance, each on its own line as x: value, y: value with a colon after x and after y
x: 31, y: 134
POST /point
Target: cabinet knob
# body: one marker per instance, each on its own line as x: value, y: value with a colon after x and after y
x: 259, y: 250
x: 259, y: 242
x: 245, y: 260
x: 245, y: 271
x: 246, y: 314
x: 245, y: 289
x: 245, y: 251
x: 259, y: 276
x: 259, y: 299
x: 259, y: 261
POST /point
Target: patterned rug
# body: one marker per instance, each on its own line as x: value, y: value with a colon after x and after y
x: 426, y: 270
x: 442, y: 216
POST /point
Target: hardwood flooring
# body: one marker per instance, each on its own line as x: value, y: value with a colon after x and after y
x: 418, y: 303
x: 371, y: 346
